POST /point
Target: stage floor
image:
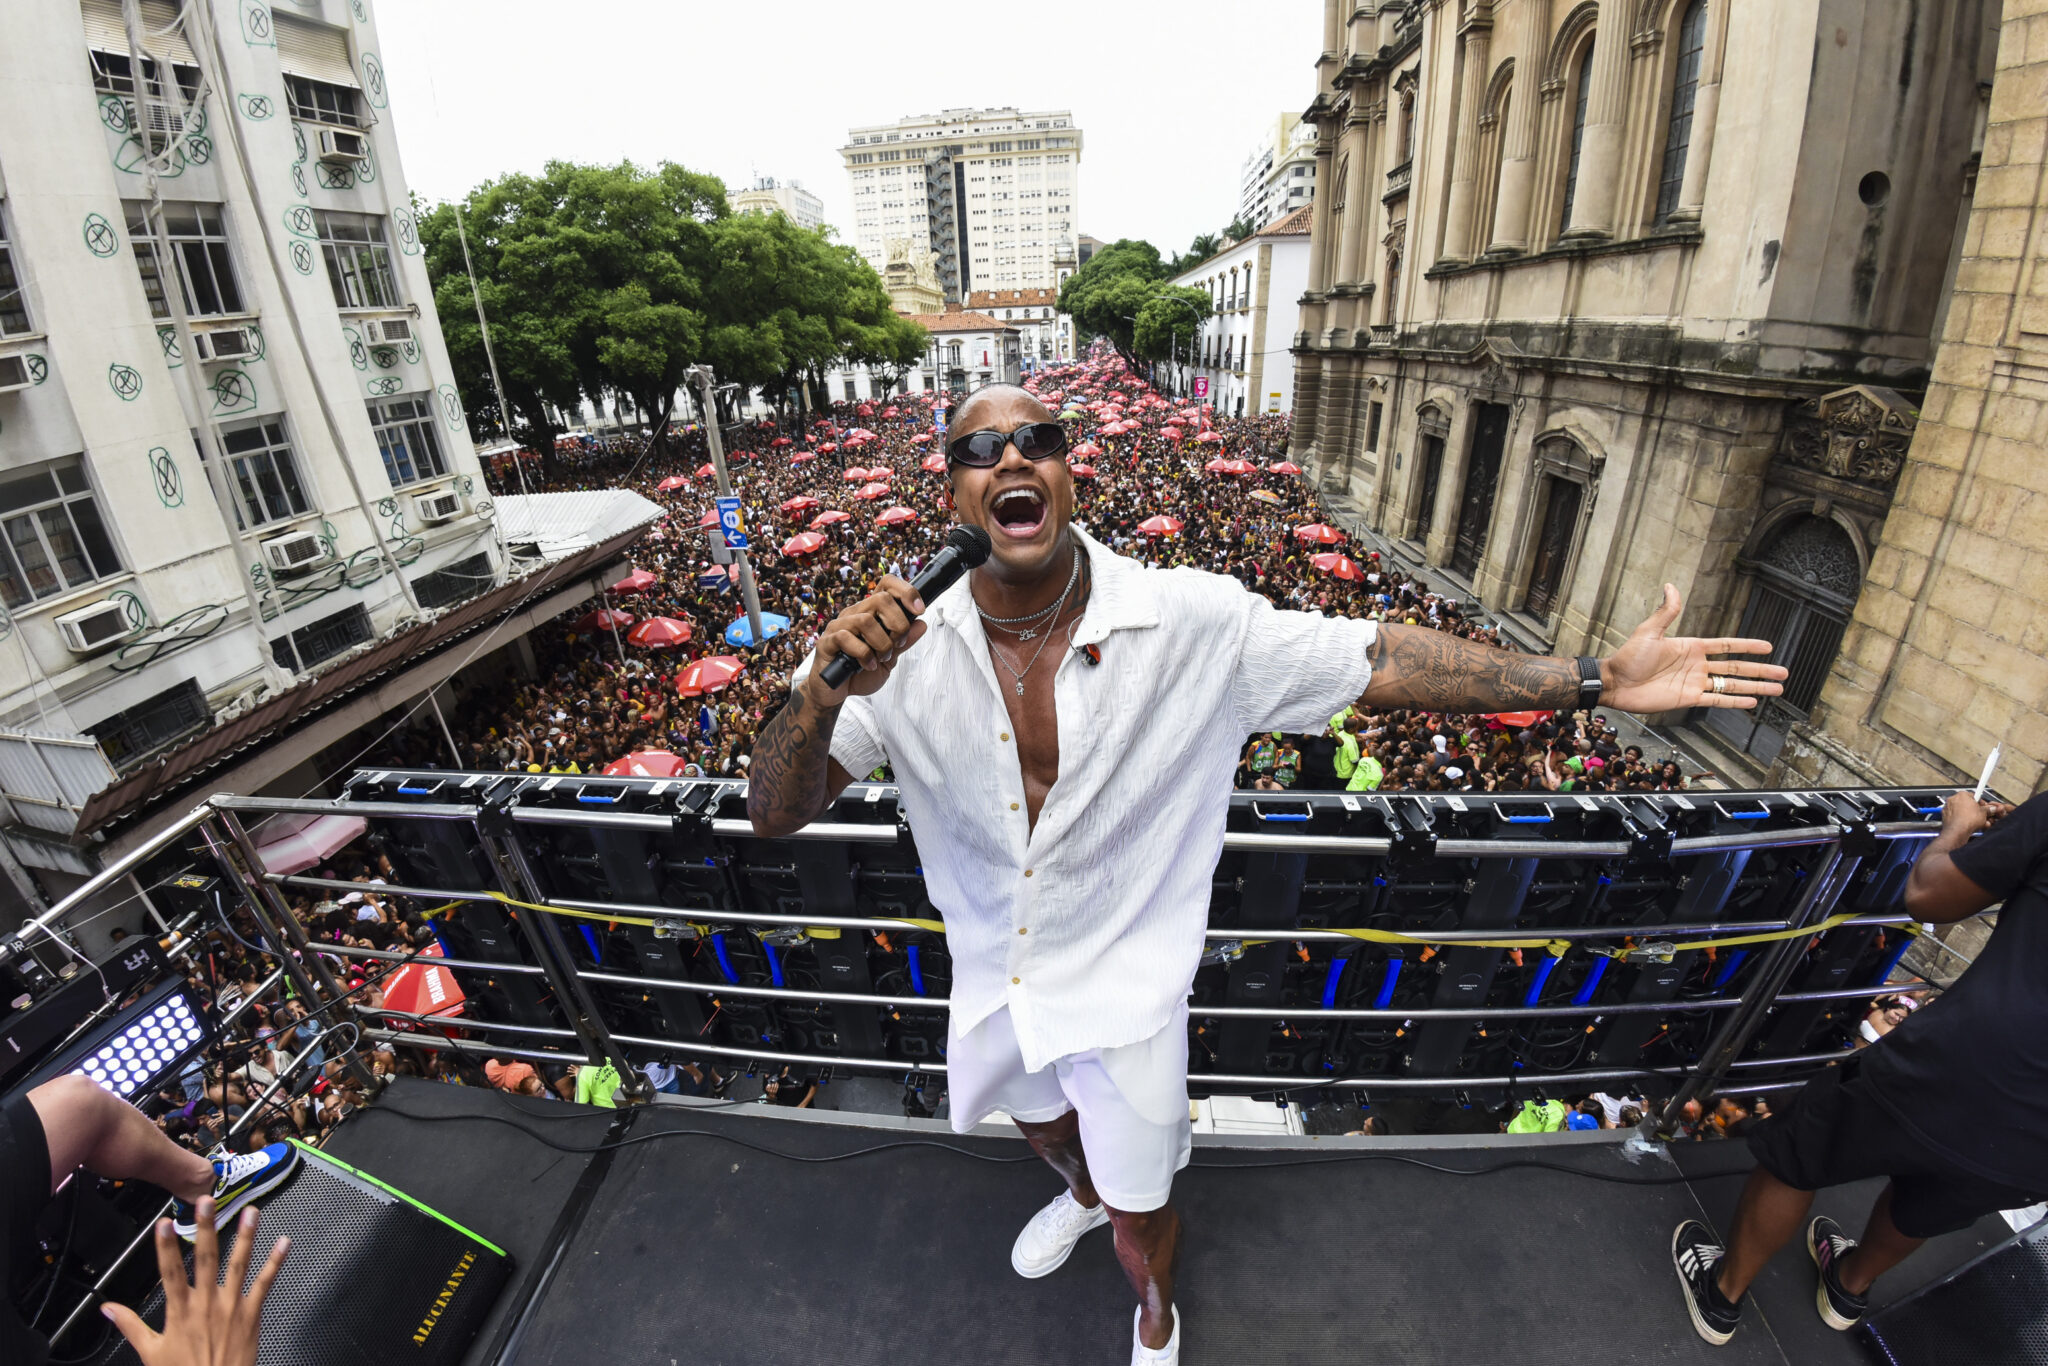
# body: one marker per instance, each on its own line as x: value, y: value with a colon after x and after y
x: 749, y: 1236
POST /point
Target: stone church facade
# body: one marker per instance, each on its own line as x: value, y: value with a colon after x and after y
x: 1610, y: 294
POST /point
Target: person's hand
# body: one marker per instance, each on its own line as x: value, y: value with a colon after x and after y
x: 207, y: 1322
x: 874, y: 632
x: 1652, y: 672
x: 1963, y: 815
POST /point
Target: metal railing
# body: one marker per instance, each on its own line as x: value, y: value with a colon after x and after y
x: 504, y: 827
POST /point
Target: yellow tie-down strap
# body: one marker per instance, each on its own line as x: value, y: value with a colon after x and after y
x: 1556, y: 947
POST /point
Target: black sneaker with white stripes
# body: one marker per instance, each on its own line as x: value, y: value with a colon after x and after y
x: 1697, y: 1258
x: 1828, y: 1245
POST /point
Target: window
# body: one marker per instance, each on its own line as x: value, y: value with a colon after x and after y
x: 454, y: 582
x: 1685, y: 84
x: 1373, y: 416
x: 324, y: 639
x: 13, y: 304
x: 262, y: 474
x: 321, y: 102
x: 51, y: 537
x: 128, y: 737
x: 199, y: 244
x: 358, y: 259
x: 406, y: 440
x: 111, y: 75
x: 1571, y: 173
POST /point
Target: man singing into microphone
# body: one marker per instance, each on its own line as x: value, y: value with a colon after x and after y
x: 1064, y: 743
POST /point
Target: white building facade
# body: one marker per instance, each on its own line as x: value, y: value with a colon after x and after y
x: 232, y: 449
x: 993, y: 192
x: 1241, y: 361
x: 1279, y: 176
x: 786, y: 197
x: 1045, y: 335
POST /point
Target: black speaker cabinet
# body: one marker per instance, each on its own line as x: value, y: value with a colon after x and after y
x: 374, y: 1276
x: 1992, y: 1311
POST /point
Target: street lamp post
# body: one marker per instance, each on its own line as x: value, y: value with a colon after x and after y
x: 716, y: 440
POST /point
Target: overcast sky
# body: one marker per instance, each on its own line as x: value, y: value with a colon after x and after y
x: 1169, y: 98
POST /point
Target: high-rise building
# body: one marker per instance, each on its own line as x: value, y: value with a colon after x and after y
x: 991, y: 191
x: 786, y: 197
x: 1280, y: 174
x: 241, y: 514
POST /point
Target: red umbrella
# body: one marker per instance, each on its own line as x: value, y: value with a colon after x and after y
x: 781, y: 441
x: 934, y: 464
x: 920, y: 438
x: 709, y: 519
x: 1218, y: 466
x: 1516, y: 720
x: 855, y: 474
x: 1330, y: 562
x: 896, y: 515
x: 802, y: 456
x: 825, y: 519
x: 1283, y: 467
x: 659, y: 633
x: 1081, y: 471
x: 705, y: 470
x: 638, y: 581
x: 1187, y: 415
x: 801, y: 504
x: 1160, y: 526
x: 709, y: 674
x: 870, y: 492
x: 1239, y: 467
x: 865, y: 410
x: 603, y: 619
x: 1087, y: 450
x: 829, y: 447
x: 423, y: 987
x: 1207, y: 438
x: 646, y: 763
x: 888, y: 412
x: 803, y: 543
x: 1171, y: 433
x: 674, y: 481
x: 1318, y: 533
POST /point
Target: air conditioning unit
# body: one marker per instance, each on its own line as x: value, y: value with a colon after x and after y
x: 391, y: 330
x: 294, y: 553
x: 14, y: 374
x: 438, y: 507
x: 225, y: 343
x: 339, y: 146
x: 95, y: 627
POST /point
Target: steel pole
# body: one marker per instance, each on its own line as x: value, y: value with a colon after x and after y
x: 1823, y: 889
x: 484, y: 326
x: 716, y: 440
x: 237, y: 857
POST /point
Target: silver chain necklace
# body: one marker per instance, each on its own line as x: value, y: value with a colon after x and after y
x: 1011, y: 624
x: 1061, y: 602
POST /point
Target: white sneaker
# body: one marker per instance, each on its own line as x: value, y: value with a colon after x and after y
x: 1141, y: 1355
x: 1049, y: 1238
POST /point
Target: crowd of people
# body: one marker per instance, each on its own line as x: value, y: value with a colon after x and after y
x: 594, y: 697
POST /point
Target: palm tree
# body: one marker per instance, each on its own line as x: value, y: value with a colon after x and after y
x: 1202, y: 248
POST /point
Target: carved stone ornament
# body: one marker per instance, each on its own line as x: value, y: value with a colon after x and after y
x: 1860, y: 434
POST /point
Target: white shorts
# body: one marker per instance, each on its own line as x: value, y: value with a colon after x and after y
x: 1132, y: 1101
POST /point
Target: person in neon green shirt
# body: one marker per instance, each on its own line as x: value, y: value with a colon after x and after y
x: 1345, y: 760
x: 1366, y: 776
x: 595, y: 1085
x: 1538, y: 1117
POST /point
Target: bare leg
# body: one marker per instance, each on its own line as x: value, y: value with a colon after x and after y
x: 1883, y: 1247
x: 1148, y: 1246
x: 1058, y: 1141
x: 1770, y: 1213
x: 87, y: 1127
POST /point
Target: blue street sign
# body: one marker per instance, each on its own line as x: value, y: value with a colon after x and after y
x: 732, y: 522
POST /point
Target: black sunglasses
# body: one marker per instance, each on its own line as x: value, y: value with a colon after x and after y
x: 1034, y: 441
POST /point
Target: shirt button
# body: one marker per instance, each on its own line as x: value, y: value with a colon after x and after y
x: 1013, y: 806
x: 1027, y: 872
x: 1016, y: 981
x: 1022, y: 930
x: 1004, y: 736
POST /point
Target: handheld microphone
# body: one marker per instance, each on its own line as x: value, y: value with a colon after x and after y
x: 966, y: 546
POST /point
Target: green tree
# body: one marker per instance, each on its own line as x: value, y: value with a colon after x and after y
x: 1239, y: 229
x: 1121, y: 294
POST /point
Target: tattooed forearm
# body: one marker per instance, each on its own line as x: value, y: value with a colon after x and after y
x: 788, y: 782
x: 1430, y: 670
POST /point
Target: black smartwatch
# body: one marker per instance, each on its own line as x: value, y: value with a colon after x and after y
x: 1589, y: 682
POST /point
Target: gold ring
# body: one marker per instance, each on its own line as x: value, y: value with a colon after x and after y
x: 1720, y: 683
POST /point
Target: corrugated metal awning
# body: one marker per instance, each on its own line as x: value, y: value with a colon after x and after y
x: 558, y: 524
x: 315, y: 51
x: 48, y: 777
x: 105, y: 32
x: 161, y: 781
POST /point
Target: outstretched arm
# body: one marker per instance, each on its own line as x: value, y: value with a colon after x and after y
x: 793, y: 778
x: 1415, y: 666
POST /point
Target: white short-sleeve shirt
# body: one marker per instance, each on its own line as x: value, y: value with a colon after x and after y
x: 1111, y: 889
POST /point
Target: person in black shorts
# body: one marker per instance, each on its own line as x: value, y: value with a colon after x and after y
x: 1952, y: 1105
x: 62, y: 1125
